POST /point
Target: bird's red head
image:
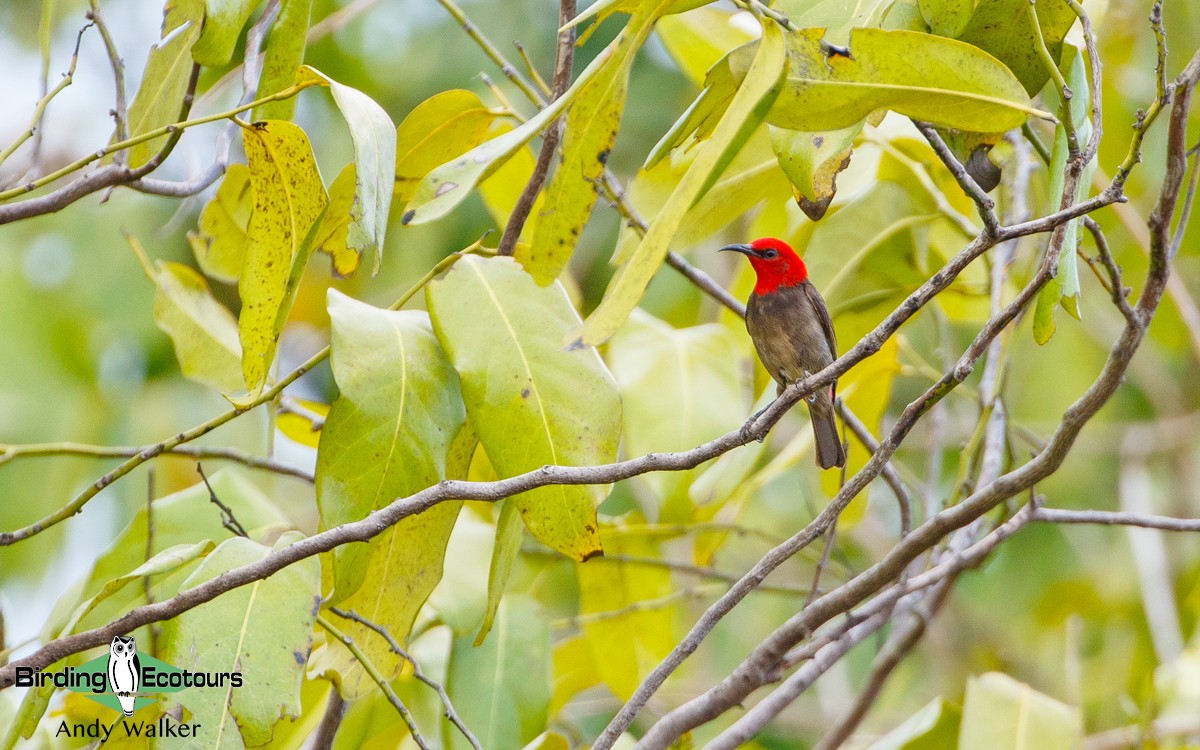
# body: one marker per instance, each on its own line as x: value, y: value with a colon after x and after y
x: 775, y: 263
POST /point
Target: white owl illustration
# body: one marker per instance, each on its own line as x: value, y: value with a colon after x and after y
x: 124, y: 671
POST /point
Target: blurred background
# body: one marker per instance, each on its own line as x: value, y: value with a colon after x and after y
x: 1064, y: 609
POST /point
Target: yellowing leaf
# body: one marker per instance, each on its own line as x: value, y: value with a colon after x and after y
x: 752, y: 176
x: 947, y: 17
x: 448, y: 185
x: 442, y: 127
x: 289, y: 201
x: 699, y: 38
x: 588, y: 137
x: 263, y: 630
x: 925, y: 77
x: 390, y: 433
x: 934, y: 727
x: 223, y: 22
x: 812, y: 162
x: 681, y: 387
x: 159, y: 99
x: 220, y: 244
x: 283, y: 55
x: 631, y: 630
x: 1000, y: 713
x: 373, y: 135
x: 745, y: 112
x: 574, y: 671
x: 333, y: 238
x: 304, y: 428
x: 203, y: 330
x: 504, y: 335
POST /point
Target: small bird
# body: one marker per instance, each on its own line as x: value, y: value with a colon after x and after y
x: 793, y: 334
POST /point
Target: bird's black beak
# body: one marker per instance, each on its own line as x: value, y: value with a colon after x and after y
x: 743, y: 249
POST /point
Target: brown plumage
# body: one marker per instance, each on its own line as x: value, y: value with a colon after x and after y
x: 793, y: 334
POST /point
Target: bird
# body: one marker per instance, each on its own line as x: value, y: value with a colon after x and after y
x: 793, y: 334
x: 124, y: 671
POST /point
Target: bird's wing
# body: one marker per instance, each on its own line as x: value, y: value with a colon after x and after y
x: 137, y: 672
x: 818, y: 305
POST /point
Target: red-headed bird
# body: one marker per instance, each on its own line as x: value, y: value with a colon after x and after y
x: 793, y: 334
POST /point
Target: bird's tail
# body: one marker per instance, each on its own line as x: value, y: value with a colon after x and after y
x: 830, y: 452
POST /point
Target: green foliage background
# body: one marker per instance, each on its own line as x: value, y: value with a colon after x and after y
x: 1058, y: 609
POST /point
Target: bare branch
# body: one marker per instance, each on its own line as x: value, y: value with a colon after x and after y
x: 983, y: 204
x: 562, y: 82
x: 451, y: 715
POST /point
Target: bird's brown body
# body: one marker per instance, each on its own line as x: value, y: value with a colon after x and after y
x: 793, y: 334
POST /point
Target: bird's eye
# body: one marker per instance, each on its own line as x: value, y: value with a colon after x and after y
x: 769, y: 254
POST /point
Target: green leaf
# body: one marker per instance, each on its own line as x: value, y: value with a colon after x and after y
x: 504, y: 554
x: 680, y: 387
x: 263, y: 630
x: 444, y: 126
x: 223, y: 22
x: 333, y: 235
x: 934, y: 727
x: 283, y: 55
x: 504, y: 335
x: 502, y: 688
x: 373, y: 134
x: 182, y: 518
x: 1002, y: 29
x: 812, y: 161
x: 632, y: 631
x: 220, y: 243
x: 588, y: 137
x: 922, y: 76
x: 948, y: 17
x: 159, y: 99
x: 1080, y: 113
x: 1043, y: 314
x: 203, y: 330
x: 396, y: 428
x: 745, y: 112
x: 289, y: 201
x: 1000, y: 713
x: 390, y: 430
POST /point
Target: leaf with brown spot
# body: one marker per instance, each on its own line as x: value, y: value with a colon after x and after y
x: 289, y: 202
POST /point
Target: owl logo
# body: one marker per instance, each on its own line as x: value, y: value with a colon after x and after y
x: 124, y: 671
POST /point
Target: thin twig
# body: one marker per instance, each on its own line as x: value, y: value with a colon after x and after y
x: 562, y: 82
x: 121, y: 112
x: 894, y: 482
x: 398, y: 650
x: 228, y: 519
x: 39, y: 110
x: 10, y: 452
x: 983, y: 204
x: 378, y: 678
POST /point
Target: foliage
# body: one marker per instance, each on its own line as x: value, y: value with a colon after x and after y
x: 525, y: 491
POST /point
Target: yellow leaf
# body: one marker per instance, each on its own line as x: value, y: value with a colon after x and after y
x: 203, y: 330
x: 745, y: 112
x: 632, y: 630
x: 442, y: 127
x: 304, y: 429
x: 289, y: 201
x: 220, y: 243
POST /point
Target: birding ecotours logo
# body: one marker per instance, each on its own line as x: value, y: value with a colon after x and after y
x: 126, y: 682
